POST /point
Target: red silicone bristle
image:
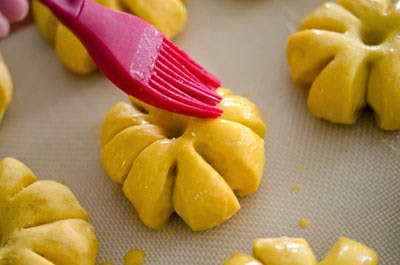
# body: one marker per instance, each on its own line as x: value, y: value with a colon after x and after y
x: 191, y: 65
x: 181, y: 85
x: 191, y: 88
x: 159, y: 99
x: 170, y: 91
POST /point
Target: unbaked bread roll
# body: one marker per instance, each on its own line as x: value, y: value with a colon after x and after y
x: 169, y: 16
x: 41, y: 222
x: 348, y: 52
x: 170, y: 163
x: 296, y: 251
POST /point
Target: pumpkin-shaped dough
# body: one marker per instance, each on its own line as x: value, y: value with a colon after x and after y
x: 349, y: 52
x: 169, y: 16
x: 173, y: 163
x: 41, y: 222
x: 296, y: 251
x: 5, y: 87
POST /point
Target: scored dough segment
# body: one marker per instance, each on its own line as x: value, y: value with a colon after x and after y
x: 41, y: 222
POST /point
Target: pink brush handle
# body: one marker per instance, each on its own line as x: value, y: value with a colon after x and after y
x: 67, y: 11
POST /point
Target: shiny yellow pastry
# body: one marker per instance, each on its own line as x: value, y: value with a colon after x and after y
x: 169, y: 16
x: 284, y: 250
x: 173, y: 163
x: 5, y: 87
x: 350, y: 252
x: 71, y: 52
x: 41, y: 222
x: 296, y: 251
x: 45, y: 20
x: 348, y: 52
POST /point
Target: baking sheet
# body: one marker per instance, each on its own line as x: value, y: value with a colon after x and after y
x: 351, y: 175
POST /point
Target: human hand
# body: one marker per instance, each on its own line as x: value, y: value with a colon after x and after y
x: 11, y: 11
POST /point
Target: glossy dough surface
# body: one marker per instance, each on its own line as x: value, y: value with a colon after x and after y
x: 169, y: 16
x: 41, y: 222
x: 349, y: 252
x: 296, y: 251
x: 5, y: 87
x: 172, y: 163
x: 349, y: 52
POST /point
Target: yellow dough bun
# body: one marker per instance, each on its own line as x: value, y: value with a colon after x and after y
x: 170, y: 163
x: 348, y: 52
x: 169, y: 16
x: 296, y: 251
x: 41, y: 222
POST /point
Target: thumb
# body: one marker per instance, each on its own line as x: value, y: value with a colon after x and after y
x: 14, y: 10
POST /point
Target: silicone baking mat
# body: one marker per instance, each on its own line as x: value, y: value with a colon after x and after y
x: 351, y: 175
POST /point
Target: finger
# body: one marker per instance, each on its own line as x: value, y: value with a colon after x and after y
x: 4, y: 26
x: 14, y: 10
